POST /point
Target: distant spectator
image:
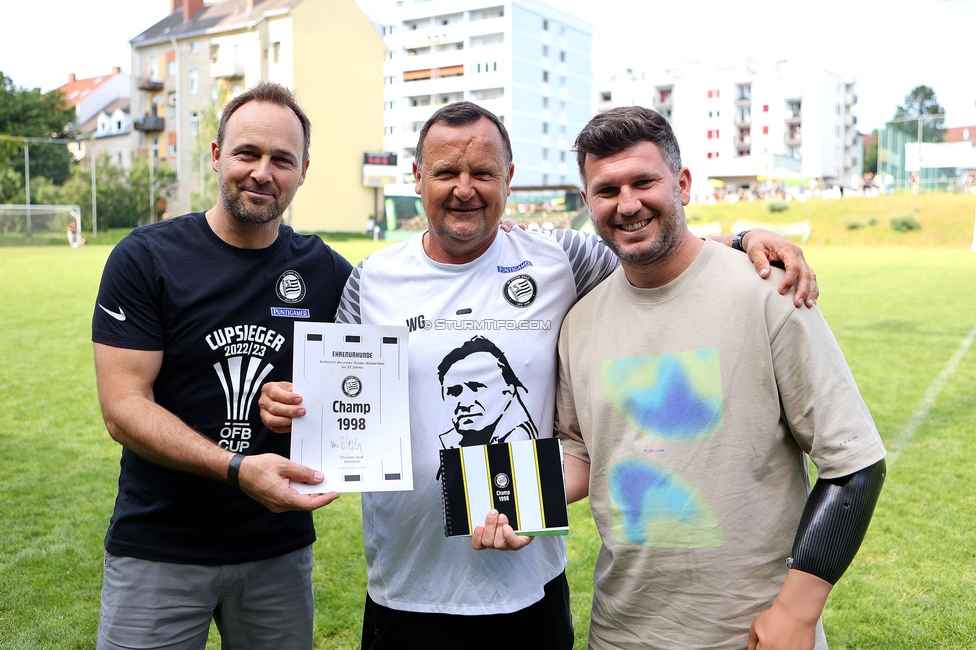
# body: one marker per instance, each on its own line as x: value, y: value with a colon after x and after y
x: 913, y: 182
x: 74, y: 237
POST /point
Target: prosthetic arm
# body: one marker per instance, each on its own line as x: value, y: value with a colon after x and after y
x: 834, y: 521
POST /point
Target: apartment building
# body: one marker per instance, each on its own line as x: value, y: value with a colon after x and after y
x: 190, y: 64
x: 101, y: 115
x: 738, y: 122
x: 523, y: 60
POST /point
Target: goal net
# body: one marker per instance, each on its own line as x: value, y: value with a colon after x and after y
x: 32, y: 225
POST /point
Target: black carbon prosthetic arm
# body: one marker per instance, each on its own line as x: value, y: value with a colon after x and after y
x: 834, y: 521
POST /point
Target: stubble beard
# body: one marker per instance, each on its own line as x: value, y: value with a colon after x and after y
x: 245, y: 213
x: 671, y: 227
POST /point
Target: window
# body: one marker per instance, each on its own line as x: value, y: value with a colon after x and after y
x: 172, y: 151
x: 606, y: 96
x: 194, y: 124
x: 765, y: 108
x: 194, y: 47
x: 562, y: 56
x: 171, y: 68
x: 709, y: 154
x: 214, y: 52
x: 389, y: 106
x: 709, y: 96
x: 545, y: 76
x: 389, y: 130
x: 765, y: 130
x: 716, y: 133
x: 194, y: 81
x: 545, y: 127
x: 545, y: 179
x: 545, y: 25
x: 709, y: 135
x: 562, y: 81
x: 545, y: 153
x: 545, y: 102
x: 276, y: 52
x: 562, y: 130
x: 545, y: 50
x: 562, y: 156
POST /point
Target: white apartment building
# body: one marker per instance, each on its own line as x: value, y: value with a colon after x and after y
x: 736, y: 123
x: 525, y: 61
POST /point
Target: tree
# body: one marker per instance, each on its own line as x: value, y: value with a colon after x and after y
x: 123, y: 194
x: 871, y: 152
x: 919, y: 102
x: 29, y: 113
x: 206, y: 196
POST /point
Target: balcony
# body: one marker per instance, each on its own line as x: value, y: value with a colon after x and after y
x: 150, y: 85
x: 743, y: 141
x: 794, y: 118
x: 149, y: 123
x: 743, y: 99
x: 743, y: 118
x: 793, y: 139
x: 226, y: 70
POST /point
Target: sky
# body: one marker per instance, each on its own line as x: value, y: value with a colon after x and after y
x: 888, y: 47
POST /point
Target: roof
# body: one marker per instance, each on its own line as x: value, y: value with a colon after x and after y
x: 960, y: 134
x: 78, y: 89
x: 221, y: 16
x: 85, y: 130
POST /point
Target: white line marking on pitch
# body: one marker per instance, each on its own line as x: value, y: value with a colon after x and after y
x: 904, y: 437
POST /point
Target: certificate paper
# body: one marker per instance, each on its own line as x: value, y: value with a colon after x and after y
x: 353, y: 383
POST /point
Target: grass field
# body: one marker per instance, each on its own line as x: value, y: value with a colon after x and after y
x: 899, y: 312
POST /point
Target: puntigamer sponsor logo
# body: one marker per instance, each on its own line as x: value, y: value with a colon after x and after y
x: 513, y: 269
x: 288, y: 312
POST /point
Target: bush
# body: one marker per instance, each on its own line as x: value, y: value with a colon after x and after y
x: 904, y: 222
x: 853, y: 224
x: 873, y: 221
x: 777, y: 206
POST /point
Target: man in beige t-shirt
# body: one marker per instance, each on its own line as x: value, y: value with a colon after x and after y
x: 689, y: 390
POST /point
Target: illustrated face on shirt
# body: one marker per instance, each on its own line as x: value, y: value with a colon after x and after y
x: 477, y: 393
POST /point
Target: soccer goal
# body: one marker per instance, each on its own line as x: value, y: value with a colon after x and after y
x: 23, y: 225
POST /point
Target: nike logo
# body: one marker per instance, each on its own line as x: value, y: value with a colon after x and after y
x: 119, y: 316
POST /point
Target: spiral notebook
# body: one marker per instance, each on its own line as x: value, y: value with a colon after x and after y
x: 523, y: 479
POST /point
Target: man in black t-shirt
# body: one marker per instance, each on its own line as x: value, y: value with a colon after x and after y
x: 193, y: 316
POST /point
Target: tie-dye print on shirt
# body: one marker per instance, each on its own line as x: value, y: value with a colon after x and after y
x: 677, y: 397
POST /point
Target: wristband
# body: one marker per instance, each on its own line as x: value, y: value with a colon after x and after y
x: 737, y: 241
x: 233, y: 469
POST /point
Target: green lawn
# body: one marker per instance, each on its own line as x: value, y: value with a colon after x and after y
x: 900, y: 313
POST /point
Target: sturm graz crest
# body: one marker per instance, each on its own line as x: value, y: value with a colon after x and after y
x: 501, y: 481
x: 351, y: 386
x: 290, y: 287
x: 520, y: 291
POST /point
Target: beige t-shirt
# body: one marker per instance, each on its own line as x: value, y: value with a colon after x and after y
x: 693, y: 403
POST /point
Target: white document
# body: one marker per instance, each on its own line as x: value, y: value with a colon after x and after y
x: 353, y: 383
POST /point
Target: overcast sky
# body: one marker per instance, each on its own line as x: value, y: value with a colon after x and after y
x: 889, y: 47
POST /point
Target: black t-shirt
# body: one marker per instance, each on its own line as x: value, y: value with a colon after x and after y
x: 223, y: 317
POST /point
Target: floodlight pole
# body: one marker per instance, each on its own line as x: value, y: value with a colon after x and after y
x: 152, y: 190
x: 27, y: 183
x: 91, y: 151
